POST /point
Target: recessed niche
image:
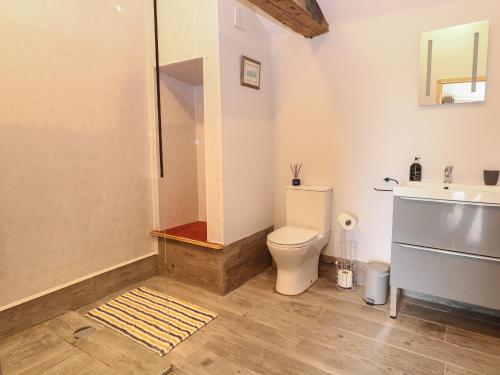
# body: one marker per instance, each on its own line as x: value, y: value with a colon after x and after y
x: 182, y: 192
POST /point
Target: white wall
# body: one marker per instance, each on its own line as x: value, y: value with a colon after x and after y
x: 345, y: 104
x: 75, y: 141
x: 246, y: 125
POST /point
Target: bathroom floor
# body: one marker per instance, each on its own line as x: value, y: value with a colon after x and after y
x: 322, y: 331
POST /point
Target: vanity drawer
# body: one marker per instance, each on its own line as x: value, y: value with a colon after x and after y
x: 459, y: 226
x: 461, y: 277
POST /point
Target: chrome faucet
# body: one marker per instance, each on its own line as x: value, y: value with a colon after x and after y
x: 448, y: 174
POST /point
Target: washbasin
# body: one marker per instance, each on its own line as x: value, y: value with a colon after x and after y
x: 480, y: 194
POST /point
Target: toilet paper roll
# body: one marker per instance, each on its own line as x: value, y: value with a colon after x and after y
x: 344, y: 279
x: 346, y: 221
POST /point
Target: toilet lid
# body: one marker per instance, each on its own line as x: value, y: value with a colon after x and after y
x: 292, y: 236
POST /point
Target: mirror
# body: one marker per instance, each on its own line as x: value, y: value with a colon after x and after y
x: 453, y: 63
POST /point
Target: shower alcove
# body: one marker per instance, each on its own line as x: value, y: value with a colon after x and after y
x: 185, y: 251
x: 182, y: 191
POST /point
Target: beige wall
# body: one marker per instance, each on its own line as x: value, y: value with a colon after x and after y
x: 247, y: 126
x: 200, y: 152
x: 178, y: 191
x: 189, y: 29
x: 345, y: 104
x: 75, y: 141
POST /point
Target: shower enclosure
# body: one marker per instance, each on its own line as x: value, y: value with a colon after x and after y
x: 78, y: 165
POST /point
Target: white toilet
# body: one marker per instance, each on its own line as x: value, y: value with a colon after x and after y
x: 296, y: 247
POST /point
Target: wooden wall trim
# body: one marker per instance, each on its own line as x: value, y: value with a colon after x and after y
x: 79, y: 280
x: 72, y: 297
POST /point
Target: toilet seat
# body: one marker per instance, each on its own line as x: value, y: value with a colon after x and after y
x: 292, y: 237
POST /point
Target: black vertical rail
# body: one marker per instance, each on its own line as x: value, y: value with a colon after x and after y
x: 158, y: 94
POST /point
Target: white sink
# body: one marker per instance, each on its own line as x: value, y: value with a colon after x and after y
x: 449, y: 192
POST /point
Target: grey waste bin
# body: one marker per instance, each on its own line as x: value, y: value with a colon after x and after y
x: 376, y: 283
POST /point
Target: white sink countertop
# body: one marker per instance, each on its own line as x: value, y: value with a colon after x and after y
x: 480, y: 194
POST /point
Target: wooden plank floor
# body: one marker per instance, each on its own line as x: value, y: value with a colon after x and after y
x: 322, y: 331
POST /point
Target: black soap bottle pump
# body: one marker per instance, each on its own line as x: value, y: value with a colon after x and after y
x: 416, y: 171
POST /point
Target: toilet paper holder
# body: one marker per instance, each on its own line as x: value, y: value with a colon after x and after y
x: 346, y: 262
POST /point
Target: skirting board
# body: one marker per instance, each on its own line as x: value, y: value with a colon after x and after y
x: 74, y: 296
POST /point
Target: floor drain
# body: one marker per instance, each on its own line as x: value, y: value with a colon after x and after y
x: 83, y: 332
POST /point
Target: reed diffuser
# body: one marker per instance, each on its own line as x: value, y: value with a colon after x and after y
x: 296, y: 173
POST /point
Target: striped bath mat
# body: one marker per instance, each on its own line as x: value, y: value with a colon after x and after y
x: 152, y: 319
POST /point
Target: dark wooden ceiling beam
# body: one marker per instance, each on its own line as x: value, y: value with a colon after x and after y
x: 302, y: 16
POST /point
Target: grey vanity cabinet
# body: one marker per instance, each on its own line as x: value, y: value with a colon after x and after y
x: 448, y: 249
x: 457, y: 226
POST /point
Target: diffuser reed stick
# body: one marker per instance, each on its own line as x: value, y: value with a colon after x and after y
x: 296, y: 173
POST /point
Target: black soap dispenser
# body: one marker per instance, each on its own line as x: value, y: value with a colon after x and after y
x: 416, y: 171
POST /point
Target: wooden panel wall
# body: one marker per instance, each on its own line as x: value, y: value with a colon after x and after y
x: 219, y: 271
x: 244, y: 259
x: 191, y: 264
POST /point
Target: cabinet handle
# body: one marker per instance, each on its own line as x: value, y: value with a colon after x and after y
x: 481, y: 257
x: 450, y: 201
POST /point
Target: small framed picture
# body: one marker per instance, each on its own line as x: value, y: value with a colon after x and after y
x: 250, y: 73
